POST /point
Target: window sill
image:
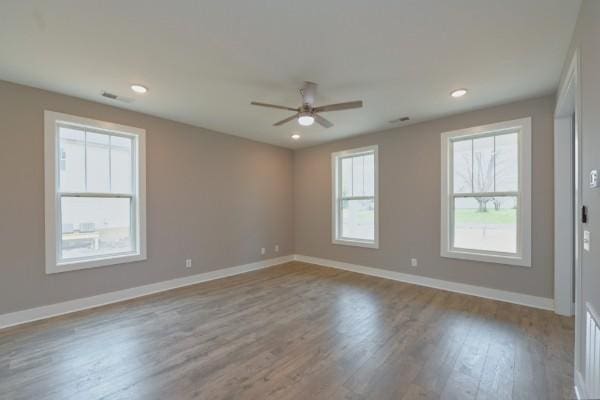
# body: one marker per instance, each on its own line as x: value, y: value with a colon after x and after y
x: 488, y: 258
x: 55, y: 268
x: 356, y: 243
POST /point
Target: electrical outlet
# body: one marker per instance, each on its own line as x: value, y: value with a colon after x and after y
x: 276, y: 248
x: 188, y: 263
x: 263, y: 251
x: 414, y: 262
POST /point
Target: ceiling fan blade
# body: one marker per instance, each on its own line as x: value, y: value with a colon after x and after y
x: 339, y: 106
x: 256, y: 103
x: 322, y: 121
x: 288, y: 119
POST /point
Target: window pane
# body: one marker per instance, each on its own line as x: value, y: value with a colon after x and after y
x: 486, y: 223
x: 95, y: 226
x: 120, y: 164
x: 358, y: 175
x: 358, y: 219
x: 358, y: 182
x: 369, y: 175
x: 98, y: 169
x: 483, y: 164
x: 71, y: 159
x: 463, y: 166
x: 346, y: 176
x: 507, y: 163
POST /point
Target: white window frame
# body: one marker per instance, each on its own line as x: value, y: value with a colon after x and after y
x: 336, y: 229
x: 523, y: 254
x: 53, y: 229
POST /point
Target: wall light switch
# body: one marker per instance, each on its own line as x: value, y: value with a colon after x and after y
x: 414, y: 262
x: 276, y: 248
x: 188, y: 263
x: 593, y: 179
x: 586, y: 240
x: 263, y: 251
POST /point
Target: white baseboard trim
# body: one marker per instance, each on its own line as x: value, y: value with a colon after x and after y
x: 53, y: 310
x: 479, y: 291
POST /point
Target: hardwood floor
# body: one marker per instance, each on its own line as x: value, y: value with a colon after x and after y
x: 294, y: 331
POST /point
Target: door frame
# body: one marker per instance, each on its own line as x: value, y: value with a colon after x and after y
x: 565, y: 193
x: 568, y: 202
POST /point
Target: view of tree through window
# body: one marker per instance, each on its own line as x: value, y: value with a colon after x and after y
x: 485, y: 192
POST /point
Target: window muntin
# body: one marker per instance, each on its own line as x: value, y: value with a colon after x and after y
x: 95, y: 200
x: 355, y: 197
x: 486, y: 193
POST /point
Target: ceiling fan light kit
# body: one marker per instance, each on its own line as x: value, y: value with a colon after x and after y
x: 307, y: 113
x: 306, y: 119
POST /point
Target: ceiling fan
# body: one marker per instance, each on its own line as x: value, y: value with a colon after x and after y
x: 307, y: 113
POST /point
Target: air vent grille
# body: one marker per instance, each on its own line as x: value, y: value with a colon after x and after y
x: 109, y: 95
x: 113, y: 96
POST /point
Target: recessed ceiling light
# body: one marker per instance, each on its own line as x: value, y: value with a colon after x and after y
x: 295, y: 136
x: 139, y: 88
x: 306, y: 119
x: 458, y: 93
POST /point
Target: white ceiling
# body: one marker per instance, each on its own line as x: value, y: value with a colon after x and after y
x: 204, y: 61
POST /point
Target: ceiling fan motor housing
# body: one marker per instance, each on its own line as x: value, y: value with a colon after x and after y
x: 308, y: 92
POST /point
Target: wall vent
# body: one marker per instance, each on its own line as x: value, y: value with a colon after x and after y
x: 403, y: 119
x: 113, y: 96
x: 592, y: 353
x: 110, y: 95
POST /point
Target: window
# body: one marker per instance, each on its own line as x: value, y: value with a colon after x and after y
x: 355, y: 201
x: 95, y: 193
x: 486, y: 193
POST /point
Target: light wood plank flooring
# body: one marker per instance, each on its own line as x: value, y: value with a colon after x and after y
x: 294, y: 331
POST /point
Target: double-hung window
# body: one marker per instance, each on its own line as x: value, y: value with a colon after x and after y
x: 486, y: 193
x: 95, y: 193
x: 355, y: 198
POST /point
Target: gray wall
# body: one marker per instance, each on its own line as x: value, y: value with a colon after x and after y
x: 211, y: 197
x: 217, y: 199
x: 587, y: 40
x: 409, y: 190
